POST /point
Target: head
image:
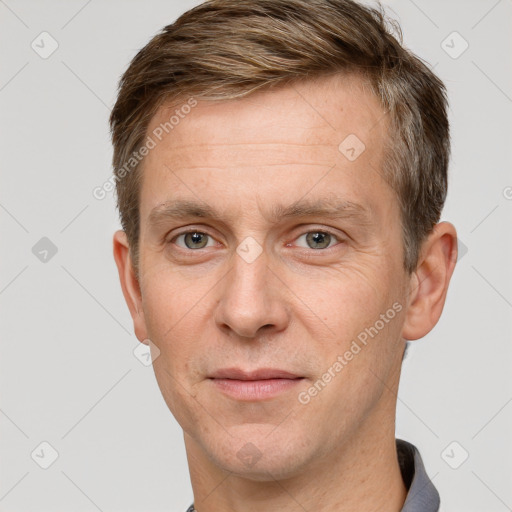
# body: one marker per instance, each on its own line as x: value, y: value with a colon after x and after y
x: 281, y: 167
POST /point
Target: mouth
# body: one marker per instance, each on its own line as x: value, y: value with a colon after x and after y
x: 259, y: 384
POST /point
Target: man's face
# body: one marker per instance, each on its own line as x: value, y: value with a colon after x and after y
x: 269, y: 281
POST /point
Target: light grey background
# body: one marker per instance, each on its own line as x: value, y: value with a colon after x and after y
x: 68, y: 375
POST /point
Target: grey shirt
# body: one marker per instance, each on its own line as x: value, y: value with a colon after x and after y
x: 422, y: 496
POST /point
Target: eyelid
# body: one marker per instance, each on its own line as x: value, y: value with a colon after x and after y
x: 191, y: 228
x: 341, y: 237
x: 171, y: 237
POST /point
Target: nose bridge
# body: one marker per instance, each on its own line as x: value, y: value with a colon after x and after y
x: 250, y: 272
x: 250, y: 297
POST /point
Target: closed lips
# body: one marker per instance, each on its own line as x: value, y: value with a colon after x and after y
x: 258, y: 374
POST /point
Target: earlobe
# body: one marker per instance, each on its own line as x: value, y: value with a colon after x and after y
x: 429, y: 282
x: 129, y: 283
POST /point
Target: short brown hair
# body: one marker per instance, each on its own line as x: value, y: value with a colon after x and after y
x: 224, y: 49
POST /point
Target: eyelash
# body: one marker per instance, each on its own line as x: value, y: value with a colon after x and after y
x: 323, y: 231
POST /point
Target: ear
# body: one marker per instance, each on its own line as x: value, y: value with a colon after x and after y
x: 129, y: 284
x: 429, y: 282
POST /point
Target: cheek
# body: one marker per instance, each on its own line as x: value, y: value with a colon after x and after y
x: 175, y: 318
x: 357, y: 339
x: 170, y: 311
x: 180, y: 397
x: 346, y: 300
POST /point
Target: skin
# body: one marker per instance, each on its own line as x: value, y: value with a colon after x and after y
x: 294, y: 307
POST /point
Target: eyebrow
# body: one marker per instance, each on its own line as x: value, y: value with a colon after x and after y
x: 333, y: 208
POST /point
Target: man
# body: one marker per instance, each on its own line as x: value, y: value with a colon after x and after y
x: 281, y: 167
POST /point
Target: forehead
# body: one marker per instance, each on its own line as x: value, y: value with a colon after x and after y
x: 283, y: 139
x: 319, y: 111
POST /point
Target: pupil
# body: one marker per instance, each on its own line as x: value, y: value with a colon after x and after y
x: 318, y: 240
x: 196, y: 239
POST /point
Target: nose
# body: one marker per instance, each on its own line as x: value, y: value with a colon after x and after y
x: 252, y: 300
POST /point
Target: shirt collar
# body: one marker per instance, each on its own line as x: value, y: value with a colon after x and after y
x: 422, y: 496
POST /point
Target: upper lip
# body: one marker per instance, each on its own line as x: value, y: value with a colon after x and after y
x: 258, y: 374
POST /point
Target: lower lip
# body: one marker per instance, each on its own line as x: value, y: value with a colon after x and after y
x: 255, y: 389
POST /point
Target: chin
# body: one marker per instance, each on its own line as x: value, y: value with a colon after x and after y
x: 260, y: 457
x: 280, y: 467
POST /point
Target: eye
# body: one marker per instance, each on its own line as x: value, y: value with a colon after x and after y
x: 194, y: 240
x: 317, y: 240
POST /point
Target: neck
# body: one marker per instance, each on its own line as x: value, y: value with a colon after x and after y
x: 363, y: 474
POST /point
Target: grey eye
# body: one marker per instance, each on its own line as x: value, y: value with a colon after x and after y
x: 194, y: 240
x: 317, y: 239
